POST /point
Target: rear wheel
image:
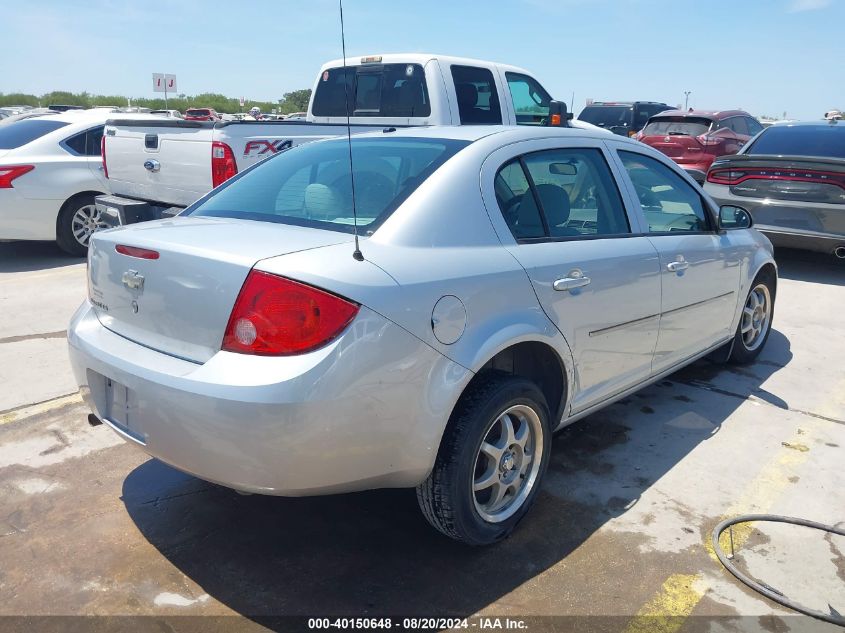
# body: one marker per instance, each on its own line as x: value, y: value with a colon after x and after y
x: 77, y: 222
x: 755, y: 322
x: 493, y: 456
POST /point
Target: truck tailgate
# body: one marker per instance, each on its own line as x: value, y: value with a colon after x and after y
x: 168, y: 162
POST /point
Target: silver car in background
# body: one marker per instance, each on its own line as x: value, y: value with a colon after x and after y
x: 509, y: 282
x: 791, y: 178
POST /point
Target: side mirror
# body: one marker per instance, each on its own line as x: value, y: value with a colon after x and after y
x: 558, y: 116
x: 731, y: 217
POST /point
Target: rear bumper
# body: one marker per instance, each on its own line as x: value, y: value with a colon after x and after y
x: 815, y: 227
x: 367, y: 411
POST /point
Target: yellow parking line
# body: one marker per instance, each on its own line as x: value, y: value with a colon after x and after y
x: 668, y: 609
x: 41, y: 407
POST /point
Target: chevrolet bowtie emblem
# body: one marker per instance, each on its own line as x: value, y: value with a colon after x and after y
x: 133, y: 280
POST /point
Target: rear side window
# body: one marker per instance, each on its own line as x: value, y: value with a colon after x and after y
x: 310, y: 185
x: 382, y: 90
x: 677, y: 126
x: 86, y: 143
x: 20, y: 133
x: 559, y: 194
x: 530, y: 99
x: 478, y: 101
x: 826, y: 140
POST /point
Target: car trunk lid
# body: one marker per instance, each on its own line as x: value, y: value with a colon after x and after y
x: 179, y: 302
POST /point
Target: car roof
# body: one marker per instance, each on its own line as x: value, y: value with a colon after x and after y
x: 421, y: 59
x: 819, y: 124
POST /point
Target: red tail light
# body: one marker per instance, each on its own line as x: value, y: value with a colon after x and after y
x: 8, y: 174
x: 103, y: 156
x: 735, y: 176
x: 274, y: 316
x: 709, y: 141
x: 134, y: 251
x: 223, y: 165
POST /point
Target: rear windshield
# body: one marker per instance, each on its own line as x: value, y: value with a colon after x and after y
x: 382, y: 90
x: 20, y: 133
x: 310, y: 185
x: 826, y: 140
x: 198, y: 113
x: 608, y: 116
x: 677, y: 126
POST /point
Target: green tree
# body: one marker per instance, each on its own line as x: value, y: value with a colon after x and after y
x: 296, y: 101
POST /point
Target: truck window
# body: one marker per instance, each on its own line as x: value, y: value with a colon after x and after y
x: 530, y: 100
x: 478, y: 102
x: 378, y: 90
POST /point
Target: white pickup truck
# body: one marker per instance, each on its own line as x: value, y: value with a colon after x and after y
x: 156, y: 168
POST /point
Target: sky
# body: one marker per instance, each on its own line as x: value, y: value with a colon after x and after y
x: 768, y: 57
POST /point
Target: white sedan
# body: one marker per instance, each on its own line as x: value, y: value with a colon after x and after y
x: 50, y: 171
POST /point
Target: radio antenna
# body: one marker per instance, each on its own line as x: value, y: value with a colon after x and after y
x: 356, y: 254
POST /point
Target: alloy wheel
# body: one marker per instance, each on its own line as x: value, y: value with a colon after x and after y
x: 507, y: 463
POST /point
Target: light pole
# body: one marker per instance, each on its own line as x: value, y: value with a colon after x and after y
x: 687, y: 93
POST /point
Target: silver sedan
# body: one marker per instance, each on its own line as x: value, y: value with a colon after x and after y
x: 509, y: 281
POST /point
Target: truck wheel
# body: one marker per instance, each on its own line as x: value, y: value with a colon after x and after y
x: 77, y: 221
x: 492, y: 459
x: 755, y: 322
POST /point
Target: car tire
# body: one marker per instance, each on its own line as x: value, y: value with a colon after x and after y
x: 755, y: 323
x: 462, y: 497
x: 76, y: 218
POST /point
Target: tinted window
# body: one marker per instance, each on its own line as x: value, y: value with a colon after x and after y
x: 478, y: 102
x: 737, y: 124
x: 754, y: 126
x: 644, y: 111
x: 86, y: 143
x: 608, y: 116
x: 310, y: 185
x: 677, y: 125
x: 198, y: 113
x: 530, y: 100
x: 77, y: 143
x: 669, y: 203
x: 825, y: 140
x: 20, y: 133
x: 387, y: 90
x: 572, y: 193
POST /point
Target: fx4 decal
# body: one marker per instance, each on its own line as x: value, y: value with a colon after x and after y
x: 266, y: 146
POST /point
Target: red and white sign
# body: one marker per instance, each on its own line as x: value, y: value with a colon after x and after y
x: 164, y: 83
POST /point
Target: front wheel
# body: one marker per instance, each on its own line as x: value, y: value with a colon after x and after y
x: 77, y: 222
x: 492, y: 459
x: 755, y: 322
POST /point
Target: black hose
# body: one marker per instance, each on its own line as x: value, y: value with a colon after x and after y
x: 761, y: 588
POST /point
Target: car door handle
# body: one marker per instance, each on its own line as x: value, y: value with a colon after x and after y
x: 674, y: 267
x: 571, y: 283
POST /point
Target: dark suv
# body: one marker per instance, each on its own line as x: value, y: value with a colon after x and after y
x: 625, y: 118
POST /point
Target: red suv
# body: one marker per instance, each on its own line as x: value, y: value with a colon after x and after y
x: 695, y: 138
x: 201, y: 114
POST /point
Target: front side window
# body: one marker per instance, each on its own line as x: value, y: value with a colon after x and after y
x: 310, y: 185
x: 754, y: 126
x: 478, y: 102
x: 530, y: 100
x: 382, y: 90
x: 564, y: 193
x: 669, y: 203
